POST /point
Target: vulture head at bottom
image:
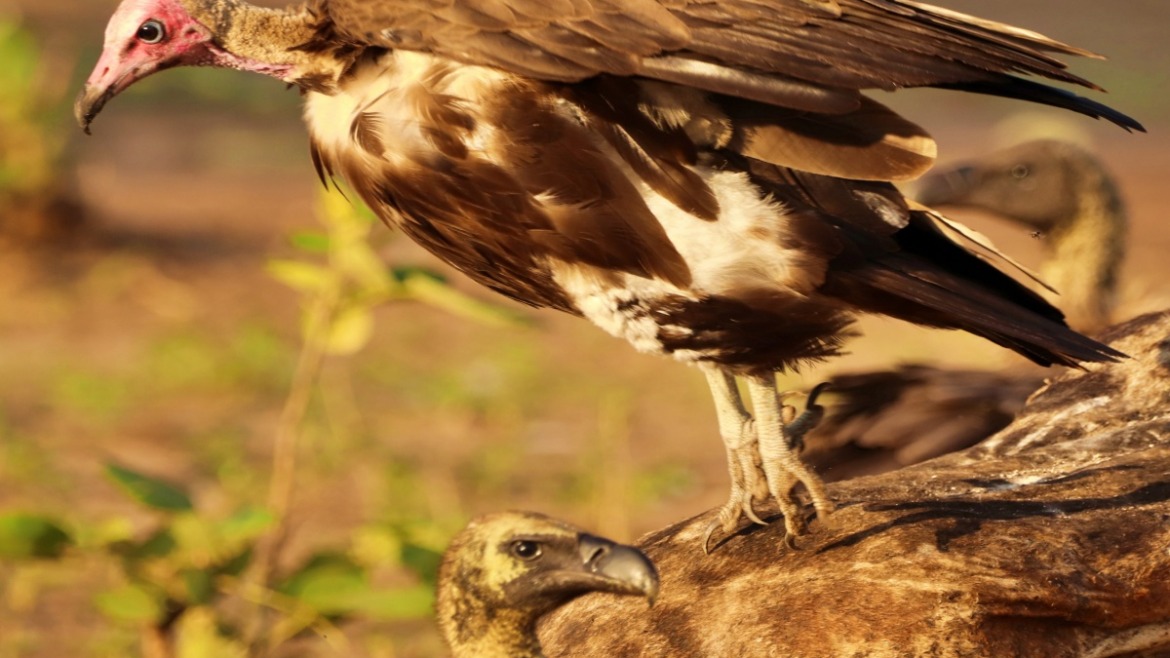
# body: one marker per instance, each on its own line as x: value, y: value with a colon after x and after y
x: 504, y: 571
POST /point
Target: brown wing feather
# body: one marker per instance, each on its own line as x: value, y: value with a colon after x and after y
x: 870, y: 143
x: 662, y: 156
x: 892, y: 260
x: 538, y: 188
x: 597, y: 215
x: 834, y: 45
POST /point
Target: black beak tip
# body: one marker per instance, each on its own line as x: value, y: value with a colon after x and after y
x: 87, y: 107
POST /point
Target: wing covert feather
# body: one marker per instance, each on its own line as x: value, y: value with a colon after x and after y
x: 854, y: 44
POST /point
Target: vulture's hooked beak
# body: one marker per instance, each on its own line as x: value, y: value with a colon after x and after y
x: 89, y: 102
x: 946, y: 187
x: 115, y: 71
x: 626, y: 569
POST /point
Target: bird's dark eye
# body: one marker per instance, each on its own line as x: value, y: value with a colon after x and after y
x: 525, y: 550
x: 1020, y: 172
x: 152, y: 31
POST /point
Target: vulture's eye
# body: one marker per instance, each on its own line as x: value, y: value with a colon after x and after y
x: 152, y: 31
x: 525, y: 549
x: 1020, y: 172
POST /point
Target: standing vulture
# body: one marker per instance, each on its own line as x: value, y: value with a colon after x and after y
x: 703, y: 178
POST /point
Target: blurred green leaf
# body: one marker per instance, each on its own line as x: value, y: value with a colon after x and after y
x: 359, y: 262
x: 401, y: 274
x: 422, y: 561
x: 328, y: 583
x: 350, y: 330
x: 399, y: 603
x: 246, y: 525
x: 311, y: 241
x: 332, y: 584
x: 200, y: 586
x: 19, y: 53
x: 235, y: 565
x: 30, y: 142
x: 217, y: 545
x: 130, y: 603
x: 376, y: 545
x: 197, y: 539
x: 300, y: 276
x: 97, y: 395
x: 149, y: 491
x: 203, y: 637
x: 106, y: 532
x: 24, y: 536
x: 160, y: 544
x: 424, y: 287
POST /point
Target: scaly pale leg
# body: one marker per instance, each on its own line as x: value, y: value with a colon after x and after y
x: 780, y: 457
x: 737, y: 430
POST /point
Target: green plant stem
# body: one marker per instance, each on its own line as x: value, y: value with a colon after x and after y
x: 290, y: 608
x: 320, y: 314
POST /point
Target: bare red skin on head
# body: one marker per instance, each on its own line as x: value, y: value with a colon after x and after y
x: 126, y: 58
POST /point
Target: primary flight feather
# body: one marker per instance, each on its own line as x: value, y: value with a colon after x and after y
x: 702, y: 178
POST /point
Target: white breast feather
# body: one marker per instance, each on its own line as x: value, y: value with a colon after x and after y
x: 738, y: 255
x: 387, y: 88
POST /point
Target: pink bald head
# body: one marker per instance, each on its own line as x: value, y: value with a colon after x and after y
x: 143, y: 36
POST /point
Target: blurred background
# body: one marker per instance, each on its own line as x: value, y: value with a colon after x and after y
x: 185, y: 313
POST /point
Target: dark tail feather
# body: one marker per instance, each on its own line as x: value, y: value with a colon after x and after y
x: 963, y: 305
x: 1012, y: 87
x: 933, y: 281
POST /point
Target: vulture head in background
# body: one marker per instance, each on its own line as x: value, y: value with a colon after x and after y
x: 505, y: 571
x: 703, y: 178
x: 1069, y: 197
x: 883, y: 420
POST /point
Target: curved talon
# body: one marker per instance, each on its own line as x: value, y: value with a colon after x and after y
x: 707, y: 536
x: 798, y: 427
x: 790, y: 541
x: 751, y: 513
x: 794, y: 527
x: 816, y: 393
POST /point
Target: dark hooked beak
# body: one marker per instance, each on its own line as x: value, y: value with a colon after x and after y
x: 114, y: 72
x: 90, y: 101
x: 626, y: 567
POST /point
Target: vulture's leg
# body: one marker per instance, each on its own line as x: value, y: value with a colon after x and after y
x: 779, y: 454
x: 743, y: 463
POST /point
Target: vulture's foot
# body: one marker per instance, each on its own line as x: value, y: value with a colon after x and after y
x: 780, y: 452
x: 763, y: 455
x: 748, y: 485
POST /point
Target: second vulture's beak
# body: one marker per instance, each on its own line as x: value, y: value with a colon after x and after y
x: 946, y: 186
x: 627, y: 569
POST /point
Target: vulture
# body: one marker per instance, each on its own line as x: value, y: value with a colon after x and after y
x: 504, y: 571
x: 887, y: 419
x: 703, y: 178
